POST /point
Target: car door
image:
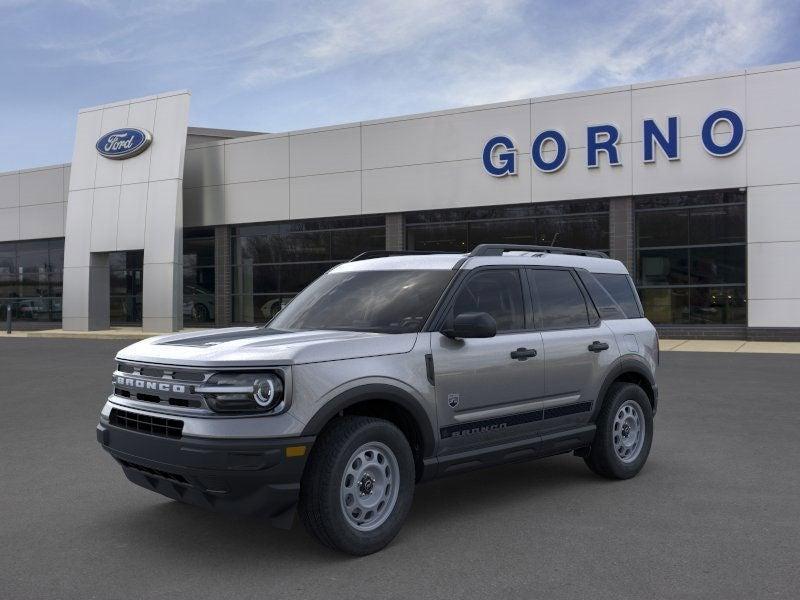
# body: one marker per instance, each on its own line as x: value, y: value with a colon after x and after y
x: 578, y: 347
x: 486, y: 385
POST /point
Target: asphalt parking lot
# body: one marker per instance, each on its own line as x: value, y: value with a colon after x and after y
x: 714, y: 514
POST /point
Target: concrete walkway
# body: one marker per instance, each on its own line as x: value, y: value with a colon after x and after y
x: 115, y: 333
x: 136, y: 333
x: 729, y: 346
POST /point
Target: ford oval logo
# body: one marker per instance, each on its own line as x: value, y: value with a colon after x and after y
x: 123, y: 143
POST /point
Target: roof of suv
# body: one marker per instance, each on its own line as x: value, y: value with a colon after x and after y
x: 554, y: 258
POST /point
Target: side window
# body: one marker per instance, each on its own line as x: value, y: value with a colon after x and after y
x: 606, y: 305
x: 620, y: 288
x: 560, y: 301
x: 497, y: 292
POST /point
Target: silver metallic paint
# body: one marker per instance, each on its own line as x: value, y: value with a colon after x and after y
x: 326, y: 364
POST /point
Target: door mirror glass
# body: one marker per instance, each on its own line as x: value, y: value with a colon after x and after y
x: 472, y: 325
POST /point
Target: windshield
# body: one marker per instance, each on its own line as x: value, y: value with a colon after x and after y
x: 379, y: 301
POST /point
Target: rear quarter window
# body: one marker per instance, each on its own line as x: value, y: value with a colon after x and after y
x: 620, y: 288
x: 605, y: 304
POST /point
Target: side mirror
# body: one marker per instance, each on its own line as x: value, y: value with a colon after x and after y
x: 472, y: 325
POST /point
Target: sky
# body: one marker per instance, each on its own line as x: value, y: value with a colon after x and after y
x: 283, y: 65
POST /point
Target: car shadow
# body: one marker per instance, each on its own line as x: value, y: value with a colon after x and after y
x: 496, y: 486
x: 164, y: 525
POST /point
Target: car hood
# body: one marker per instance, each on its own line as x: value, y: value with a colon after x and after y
x: 257, y: 346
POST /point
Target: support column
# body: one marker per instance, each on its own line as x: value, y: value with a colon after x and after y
x: 162, y: 276
x: 222, y: 276
x: 620, y: 232
x: 87, y: 305
x: 123, y: 205
x: 395, y: 232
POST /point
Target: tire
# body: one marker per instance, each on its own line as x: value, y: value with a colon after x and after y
x: 613, y: 454
x: 341, y: 456
x: 201, y: 313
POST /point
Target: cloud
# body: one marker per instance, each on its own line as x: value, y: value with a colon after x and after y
x: 667, y: 41
x: 472, y: 51
x: 455, y: 53
x: 326, y: 38
x: 275, y: 65
x: 143, y: 8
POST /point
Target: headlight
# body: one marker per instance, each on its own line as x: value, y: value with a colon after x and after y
x: 243, y: 392
x: 267, y: 390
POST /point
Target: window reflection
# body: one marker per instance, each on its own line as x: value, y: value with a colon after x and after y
x: 692, y: 258
x: 581, y: 224
x: 199, y: 283
x: 271, y: 263
x: 125, y: 270
x: 31, y: 275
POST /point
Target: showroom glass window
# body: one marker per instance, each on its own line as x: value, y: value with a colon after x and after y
x: 272, y: 262
x: 198, y: 276
x: 126, y: 287
x: 31, y: 278
x: 691, y: 257
x: 581, y: 224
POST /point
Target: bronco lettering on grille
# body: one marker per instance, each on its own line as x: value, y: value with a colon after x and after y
x: 143, y: 384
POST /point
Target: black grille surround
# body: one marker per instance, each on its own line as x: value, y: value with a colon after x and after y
x: 166, y: 386
x: 158, y: 426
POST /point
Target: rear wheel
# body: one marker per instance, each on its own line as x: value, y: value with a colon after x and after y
x: 357, y: 488
x: 624, y: 433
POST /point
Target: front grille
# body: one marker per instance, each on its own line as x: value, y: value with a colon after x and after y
x: 148, y: 398
x: 166, y: 386
x: 169, y: 428
x: 157, y: 472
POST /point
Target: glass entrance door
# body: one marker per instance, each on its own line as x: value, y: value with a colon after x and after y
x: 126, y: 287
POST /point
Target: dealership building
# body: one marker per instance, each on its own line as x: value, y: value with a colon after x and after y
x: 693, y: 183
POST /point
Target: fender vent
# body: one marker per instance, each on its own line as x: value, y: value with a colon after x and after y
x: 169, y: 428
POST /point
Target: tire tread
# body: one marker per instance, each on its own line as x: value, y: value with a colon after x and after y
x: 601, y: 459
x: 316, y: 512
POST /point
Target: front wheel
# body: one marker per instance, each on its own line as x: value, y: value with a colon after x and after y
x: 357, y: 488
x: 624, y: 433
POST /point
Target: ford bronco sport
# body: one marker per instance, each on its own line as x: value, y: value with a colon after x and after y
x: 388, y: 370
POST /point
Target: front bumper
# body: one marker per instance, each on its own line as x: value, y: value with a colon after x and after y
x: 250, y: 477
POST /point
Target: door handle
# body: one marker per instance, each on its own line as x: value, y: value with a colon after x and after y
x: 523, y: 353
x: 597, y: 346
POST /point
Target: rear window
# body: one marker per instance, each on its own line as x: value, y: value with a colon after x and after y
x: 621, y: 289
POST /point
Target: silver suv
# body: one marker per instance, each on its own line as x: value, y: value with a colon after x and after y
x: 388, y: 370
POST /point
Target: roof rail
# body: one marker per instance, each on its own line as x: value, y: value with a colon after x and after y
x: 384, y: 253
x: 499, y: 249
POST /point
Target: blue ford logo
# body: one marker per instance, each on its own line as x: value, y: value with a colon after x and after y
x: 123, y: 143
